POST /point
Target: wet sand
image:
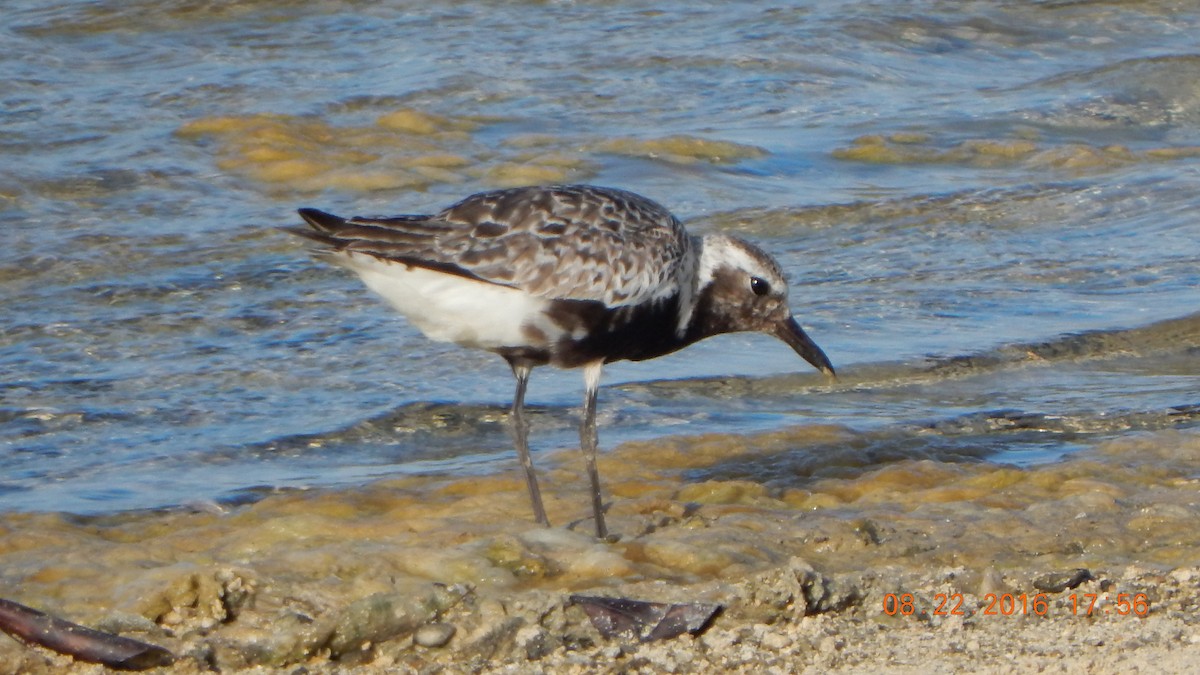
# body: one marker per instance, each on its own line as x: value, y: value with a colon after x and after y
x: 805, y: 564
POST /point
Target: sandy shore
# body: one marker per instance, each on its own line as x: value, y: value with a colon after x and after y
x: 909, y: 566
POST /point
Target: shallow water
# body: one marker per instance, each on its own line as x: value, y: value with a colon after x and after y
x: 988, y: 212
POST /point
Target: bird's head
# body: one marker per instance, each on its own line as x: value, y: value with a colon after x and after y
x: 741, y: 288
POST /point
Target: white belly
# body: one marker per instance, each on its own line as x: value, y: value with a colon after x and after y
x: 449, y: 308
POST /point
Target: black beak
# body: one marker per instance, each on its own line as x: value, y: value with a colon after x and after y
x: 790, y: 332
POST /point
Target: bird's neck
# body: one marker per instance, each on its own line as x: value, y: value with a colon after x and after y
x: 705, y: 321
x: 697, y: 320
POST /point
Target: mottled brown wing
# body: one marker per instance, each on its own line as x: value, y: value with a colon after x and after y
x: 575, y: 242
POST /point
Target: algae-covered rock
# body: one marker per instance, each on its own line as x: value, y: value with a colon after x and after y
x: 285, y: 638
x: 791, y: 592
x: 300, y: 629
x: 682, y: 149
x: 508, y: 552
x: 186, y: 595
x: 384, y: 616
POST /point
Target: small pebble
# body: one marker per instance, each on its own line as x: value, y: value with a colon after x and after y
x: 775, y: 641
x: 434, y: 634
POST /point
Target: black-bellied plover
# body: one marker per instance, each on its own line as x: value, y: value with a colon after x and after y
x: 573, y: 276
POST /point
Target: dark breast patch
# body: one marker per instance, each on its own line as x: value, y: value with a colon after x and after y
x: 614, y: 334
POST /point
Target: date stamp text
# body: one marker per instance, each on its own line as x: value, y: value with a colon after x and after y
x: 1014, y: 604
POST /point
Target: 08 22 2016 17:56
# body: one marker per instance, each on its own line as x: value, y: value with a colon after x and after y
x: 1010, y: 604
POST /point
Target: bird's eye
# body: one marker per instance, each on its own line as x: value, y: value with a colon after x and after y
x: 759, y: 286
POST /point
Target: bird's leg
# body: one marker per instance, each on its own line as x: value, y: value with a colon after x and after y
x: 520, y: 433
x: 588, y: 441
